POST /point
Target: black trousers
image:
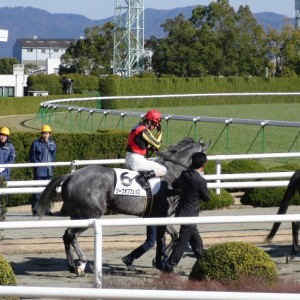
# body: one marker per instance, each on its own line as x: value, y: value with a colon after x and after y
x: 187, y: 234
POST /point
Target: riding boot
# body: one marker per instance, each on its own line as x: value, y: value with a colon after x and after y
x: 143, y: 177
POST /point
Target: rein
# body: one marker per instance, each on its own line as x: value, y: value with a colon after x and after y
x: 165, y: 158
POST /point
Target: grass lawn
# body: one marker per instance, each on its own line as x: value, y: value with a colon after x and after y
x: 234, y: 139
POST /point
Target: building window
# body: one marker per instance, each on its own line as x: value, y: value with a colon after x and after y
x: 8, y: 92
x: 43, y: 51
x: 30, y: 50
x: 55, y: 50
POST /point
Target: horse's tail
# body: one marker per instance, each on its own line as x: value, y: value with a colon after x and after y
x: 293, y: 186
x: 49, y: 194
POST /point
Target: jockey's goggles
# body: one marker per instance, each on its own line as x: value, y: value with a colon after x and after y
x: 154, y: 124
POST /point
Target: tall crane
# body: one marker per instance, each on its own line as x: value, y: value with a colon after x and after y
x: 128, y: 37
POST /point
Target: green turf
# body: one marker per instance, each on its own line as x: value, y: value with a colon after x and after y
x: 236, y: 139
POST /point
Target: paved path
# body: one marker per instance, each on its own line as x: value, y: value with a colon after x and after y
x: 38, y: 259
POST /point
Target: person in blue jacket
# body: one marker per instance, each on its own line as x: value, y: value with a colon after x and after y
x: 7, y: 156
x: 42, y: 149
x: 7, y: 152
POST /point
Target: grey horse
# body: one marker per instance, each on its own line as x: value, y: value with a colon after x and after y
x: 89, y: 193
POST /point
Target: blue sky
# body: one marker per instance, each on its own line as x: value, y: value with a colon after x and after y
x: 100, y: 9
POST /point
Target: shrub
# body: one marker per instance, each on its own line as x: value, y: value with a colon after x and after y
x: 284, y: 168
x: 230, y: 261
x: 210, y: 167
x: 7, y: 276
x: 266, y: 197
x: 243, y: 166
x: 217, y: 201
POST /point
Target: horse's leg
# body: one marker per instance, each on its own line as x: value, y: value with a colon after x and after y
x: 70, y: 238
x: 295, y: 247
x: 67, y: 237
x: 170, y: 229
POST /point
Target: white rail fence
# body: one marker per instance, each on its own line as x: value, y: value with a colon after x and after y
x: 29, y: 186
x: 15, y: 187
x: 97, y: 292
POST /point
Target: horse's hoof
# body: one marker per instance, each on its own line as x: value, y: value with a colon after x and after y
x: 289, y: 258
x: 80, y: 271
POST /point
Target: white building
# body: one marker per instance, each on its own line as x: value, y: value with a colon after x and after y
x: 36, y: 51
x: 13, y: 85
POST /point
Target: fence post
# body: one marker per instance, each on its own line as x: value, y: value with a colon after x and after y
x: 73, y: 167
x: 263, y: 124
x: 227, y: 122
x: 218, y: 172
x: 98, y: 232
x: 167, y: 118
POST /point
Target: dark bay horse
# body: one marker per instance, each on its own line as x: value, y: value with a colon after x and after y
x: 89, y: 192
x: 292, y: 188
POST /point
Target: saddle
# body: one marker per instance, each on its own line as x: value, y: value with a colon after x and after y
x: 143, y: 178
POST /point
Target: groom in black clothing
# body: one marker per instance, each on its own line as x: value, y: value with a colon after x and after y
x: 193, y: 187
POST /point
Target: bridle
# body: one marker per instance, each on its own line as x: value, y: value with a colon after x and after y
x: 172, y: 160
x: 165, y: 159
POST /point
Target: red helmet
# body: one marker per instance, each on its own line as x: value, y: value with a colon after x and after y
x: 153, y: 115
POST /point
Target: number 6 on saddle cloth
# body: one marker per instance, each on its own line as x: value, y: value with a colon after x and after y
x: 127, y: 185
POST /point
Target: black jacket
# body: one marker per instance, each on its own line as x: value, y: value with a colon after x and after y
x: 193, y: 187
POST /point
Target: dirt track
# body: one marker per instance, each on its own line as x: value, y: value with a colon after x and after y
x: 37, y: 255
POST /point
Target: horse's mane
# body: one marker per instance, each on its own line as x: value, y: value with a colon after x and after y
x: 173, y: 149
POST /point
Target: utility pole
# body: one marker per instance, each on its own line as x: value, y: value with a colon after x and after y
x: 128, y: 54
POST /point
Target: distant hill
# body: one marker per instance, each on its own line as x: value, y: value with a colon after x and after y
x: 25, y: 22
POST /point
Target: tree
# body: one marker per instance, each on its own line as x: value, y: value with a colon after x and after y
x: 215, y: 41
x: 176, y: 54
x: 290, y: 50
x: 28, y: 68
x: 219, y: 19
x: 251, y: 45
x: 6, y: 65
x: 284, y: 50
x: 93, y: 54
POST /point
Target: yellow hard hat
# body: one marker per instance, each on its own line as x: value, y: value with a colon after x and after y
x: 5, y: 130
x: 46, y: 128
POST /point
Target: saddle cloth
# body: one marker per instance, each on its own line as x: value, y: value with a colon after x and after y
x: 127, y: 185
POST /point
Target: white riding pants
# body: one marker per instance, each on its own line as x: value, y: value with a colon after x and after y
x: 138, y: 162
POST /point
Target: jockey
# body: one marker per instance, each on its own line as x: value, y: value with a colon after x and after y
x: 141, y: 144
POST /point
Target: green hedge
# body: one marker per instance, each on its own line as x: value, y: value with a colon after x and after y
x: 103, y: 145
x: 91, y: 86
x: 112, y: 86
x: 53, y: 83
x: 28, y: 105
